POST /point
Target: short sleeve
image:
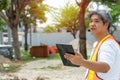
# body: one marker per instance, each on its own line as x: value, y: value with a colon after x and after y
x: 107, y: 52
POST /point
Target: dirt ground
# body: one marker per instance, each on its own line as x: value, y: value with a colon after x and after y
x: 47, y: 70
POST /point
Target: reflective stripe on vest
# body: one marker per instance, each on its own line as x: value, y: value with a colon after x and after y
x: 91, y: 74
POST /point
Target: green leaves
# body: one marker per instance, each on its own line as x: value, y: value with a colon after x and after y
x: 49, y: 29
x: 115, y: 12
x: 107, y: 1
x: 4, y: 4
x: 113, y: 6
x: 2, y: 23
x: 37, y: 11
x: 68, y: 15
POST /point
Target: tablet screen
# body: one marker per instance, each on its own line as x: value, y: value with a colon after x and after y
x: 65, y: 48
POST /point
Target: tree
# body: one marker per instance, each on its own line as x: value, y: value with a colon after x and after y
x: 113, y: 7
x: 27, y: 24
x: 33, y: 12
x: 67, y: 18
x: 11, y: 16
x: 82, y: 28
x: 108, y: 1
x: 115, y: 12
x: 49, y: 29
x: 37, y: 12
x: 2, y: 24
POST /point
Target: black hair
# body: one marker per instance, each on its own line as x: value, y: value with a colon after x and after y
x: 104, y: 15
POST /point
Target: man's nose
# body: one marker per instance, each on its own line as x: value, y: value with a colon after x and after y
x: 92, y: 23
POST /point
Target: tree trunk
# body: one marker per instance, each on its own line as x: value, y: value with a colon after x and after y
x: 25, y: 23
x: 73, y: 31
x: 26, y: 33
x: 74, y: 34
x: 12, y: 19
x: 82, y: 29
x: 16, y: 42
x: 1, y: 37
x: 9, y: 35
x: 82, y: 34
x: 34, y: 29
x: 30, y: 36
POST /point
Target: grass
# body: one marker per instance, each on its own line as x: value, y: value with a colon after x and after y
x: 26, y: 57
x: 58, y: 67
x: 12, y: 67
x: 53, y: 57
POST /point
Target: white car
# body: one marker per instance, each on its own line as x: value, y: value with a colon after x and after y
x: 6, y: 39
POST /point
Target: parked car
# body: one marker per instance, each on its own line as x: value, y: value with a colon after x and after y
x: 6, y: 51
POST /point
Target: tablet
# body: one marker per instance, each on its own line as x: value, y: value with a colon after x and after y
x: 65, y: 48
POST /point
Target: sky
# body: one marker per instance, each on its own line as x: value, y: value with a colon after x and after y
x: 56, y: 4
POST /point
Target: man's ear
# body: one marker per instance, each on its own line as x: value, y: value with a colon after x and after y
x: 107, y: 25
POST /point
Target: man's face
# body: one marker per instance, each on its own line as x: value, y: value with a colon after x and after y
x: 97, y: 27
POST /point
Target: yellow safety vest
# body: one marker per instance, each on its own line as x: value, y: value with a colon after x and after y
x: 92, y: 74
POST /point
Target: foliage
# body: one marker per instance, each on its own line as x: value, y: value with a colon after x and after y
x: 4, y: 4
x: 37, y: 11
x: 32, y: 13
x: 26, y: 56
x: 9, y: 67
x: 2, y: 23
x: 68, y: 15
x: 11, y: 16
x: 58, y: 67
x: 87, y: 22
x: 49, y: 29
x: 53, y: 57
x: 107, y: 1
x: 113, y: 7
x: 67, y: 18
x: 115, y: 12
x: 14, y: 66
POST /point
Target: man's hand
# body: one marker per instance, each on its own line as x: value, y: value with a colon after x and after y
x: 76, y: 59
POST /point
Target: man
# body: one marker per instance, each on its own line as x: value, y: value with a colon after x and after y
x: 104, y: 63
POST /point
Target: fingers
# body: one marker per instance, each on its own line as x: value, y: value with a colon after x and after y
x: 68, y: 56
x: 75, y: 59
x: 76, y: 53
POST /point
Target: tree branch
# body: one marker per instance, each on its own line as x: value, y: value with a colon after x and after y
x: 4, y: 17
x: 78, y: 3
